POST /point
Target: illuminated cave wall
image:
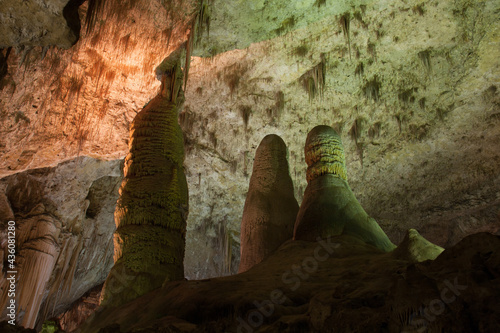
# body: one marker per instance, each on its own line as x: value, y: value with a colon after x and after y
x: 411, y: 86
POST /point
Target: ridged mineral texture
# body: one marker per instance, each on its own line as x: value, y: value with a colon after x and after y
x: 152, y: 208
x: 37, y: 253
x: 329, y: 207
x: 63, y: 223
x: 270, y: 207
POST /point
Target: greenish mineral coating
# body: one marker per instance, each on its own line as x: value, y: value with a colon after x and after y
x: 324, y: 153
x: 270, y: 207
x: 49, y: 326
x: 329, y: 207
x: 416, y: 248
x: 152, y: 209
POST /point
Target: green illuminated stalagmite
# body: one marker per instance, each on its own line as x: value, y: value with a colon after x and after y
x: 151, y: 211
x: 270, y: 207
x: 329, y: 207
x: 416, y: 248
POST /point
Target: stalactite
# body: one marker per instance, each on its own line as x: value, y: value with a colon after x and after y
x: 151, y: 212
x: 94, y: 10
x: 313, y: 80
x: 199, y: 23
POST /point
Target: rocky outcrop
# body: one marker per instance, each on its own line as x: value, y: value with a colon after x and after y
x: 152, y: 210
x: 416, y: 248
x: 64, y: 224
x: 340, y: 284
x: 270, y: 207
x: 329, y: 207
x: 39, y: 23
x: 80, y: 310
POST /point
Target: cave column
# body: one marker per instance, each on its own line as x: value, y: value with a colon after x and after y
x: 152, y: 209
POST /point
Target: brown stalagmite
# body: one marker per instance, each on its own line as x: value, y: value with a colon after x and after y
x: 270, y: 207
x: 329, y: 207
x: 151, y: 211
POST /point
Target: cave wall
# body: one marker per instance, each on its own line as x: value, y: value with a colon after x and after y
x: 64, y: 227
x: 26, y: 24
x: 58, y: 104
x: 411, y: 86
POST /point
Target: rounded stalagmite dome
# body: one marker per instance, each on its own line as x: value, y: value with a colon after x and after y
x: 270, y: 207
x: 324, y: 153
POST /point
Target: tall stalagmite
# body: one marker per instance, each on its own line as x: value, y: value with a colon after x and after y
x: 329, y: 207
x: 270, y: 207
x: 152, y: 209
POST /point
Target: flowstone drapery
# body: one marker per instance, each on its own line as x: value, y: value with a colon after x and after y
x: 329, y: 207
x: 270, y: 207
x: 37, y: 254
x: 152, y: 209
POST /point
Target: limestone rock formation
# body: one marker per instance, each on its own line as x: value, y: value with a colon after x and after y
x: 152, y: 210
x: 37, y: 253
x: 411, y: 86
x: 38, y: 23
x: 6, y: 215
x: 80, y: 310
x: 416, y: 248
x: 6, y: 212
x: 63, y: 223
x: 341, y: 284
x: 270, y: 207
x: 329, y: 207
